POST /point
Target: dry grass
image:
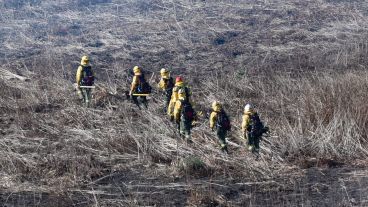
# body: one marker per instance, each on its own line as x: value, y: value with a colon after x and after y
x: 301, y: 63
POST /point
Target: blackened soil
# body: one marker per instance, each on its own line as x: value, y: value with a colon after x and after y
x: 314, y: 187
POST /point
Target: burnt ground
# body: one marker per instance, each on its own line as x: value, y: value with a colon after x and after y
x: 344, y: 186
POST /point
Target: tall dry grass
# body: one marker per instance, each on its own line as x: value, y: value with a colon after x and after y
x: 300, y: 63
x: 314, y: 115
x: 55, y: 143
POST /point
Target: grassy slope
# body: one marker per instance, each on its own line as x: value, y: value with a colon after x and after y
x: 301, y: 63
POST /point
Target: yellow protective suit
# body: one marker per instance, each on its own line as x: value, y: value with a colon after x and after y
x: 246, y: 120
x: 135, y: 81
x: 134, y: 84
x: 84, y: 94
x: 174, y: 98
x: 184, y: 125
x: 164, y: 81
x: 177, y: 110
x: 84, y: 63
x: 178, y: 105
x: 216, y: 107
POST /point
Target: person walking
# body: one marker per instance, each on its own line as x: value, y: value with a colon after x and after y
x: 220, y: 122
x: 139, y: 88
x: 252, y: 128
x: 184, y: 115
x: 85, y: 78
x: 166, y: 85
x: 179, y: 84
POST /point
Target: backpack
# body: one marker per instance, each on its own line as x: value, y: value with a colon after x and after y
x: 187, y: 111
x: 187, y: 91
x: 223, y: 121
x: 87, y: 76
x: 143, y: 86
x: 169, y: 86
x: 256, y: 127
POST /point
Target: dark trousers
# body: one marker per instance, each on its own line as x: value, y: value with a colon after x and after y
x: 253, y: 141
x: 138, y: 100
x: 185, y: 129
x: 221, y: 135
x: 166, y: 99
x: 87, y: 96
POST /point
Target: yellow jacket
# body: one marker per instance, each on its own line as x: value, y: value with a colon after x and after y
x: 78, y: 76
x: 246, y: 120
x: 214, y: 115
x: 177, y: 110
x: 135, y: 83
x: 163, y: 84
x: 174, y: 98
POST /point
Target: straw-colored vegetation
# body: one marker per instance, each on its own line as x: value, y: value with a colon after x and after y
x: 301, y: 63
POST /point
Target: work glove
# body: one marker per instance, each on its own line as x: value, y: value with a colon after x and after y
x: 171, y: 118
x: 76, y: 86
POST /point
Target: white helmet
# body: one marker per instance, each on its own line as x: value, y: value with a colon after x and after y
x: 248, y: 107
x: 164, y: 70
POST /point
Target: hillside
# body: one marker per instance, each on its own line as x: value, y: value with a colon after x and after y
x: 301, y: 63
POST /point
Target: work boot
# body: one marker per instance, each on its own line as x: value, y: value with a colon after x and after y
x: 256, y: 150
x: 139, y: 106
x: 224, y: 149
x: 80, y: 95
x: 188, y: 139
x: 181, y: 134
x: 145, y: 104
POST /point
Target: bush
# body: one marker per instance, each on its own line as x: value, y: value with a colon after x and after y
x: 194, y: 166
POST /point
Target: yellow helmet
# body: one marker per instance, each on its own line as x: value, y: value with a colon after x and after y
x: 216, y: 106
x: 136, y: 70
x: 85, y: 59
x: 164, y: 73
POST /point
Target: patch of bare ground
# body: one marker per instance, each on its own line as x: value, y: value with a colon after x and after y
x: 324, y: 187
